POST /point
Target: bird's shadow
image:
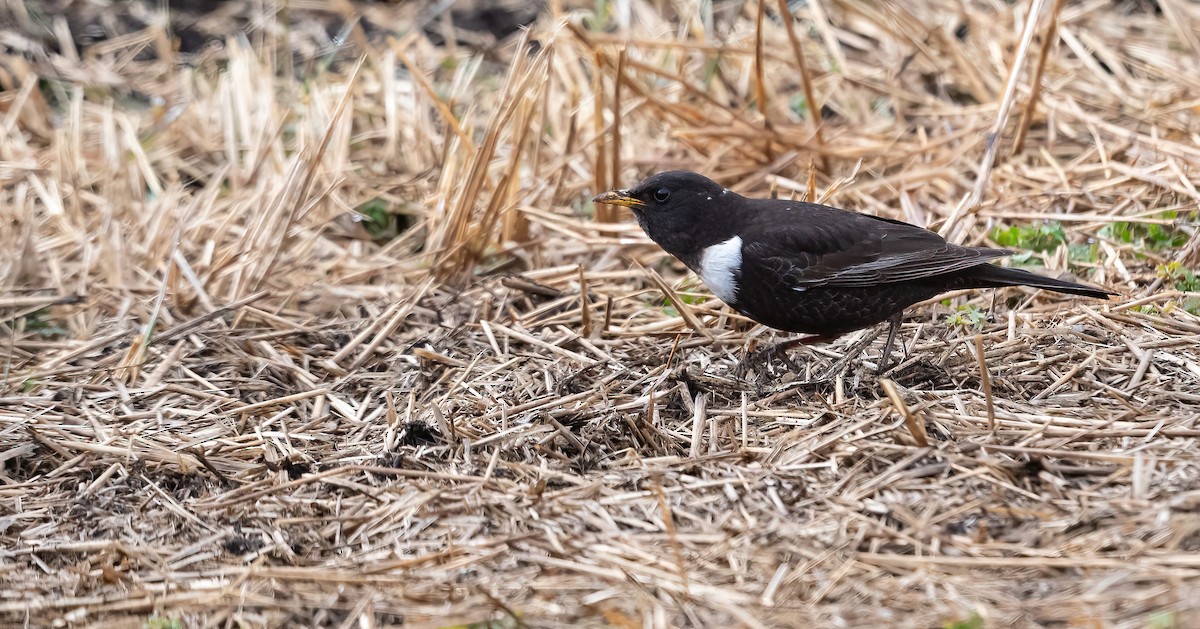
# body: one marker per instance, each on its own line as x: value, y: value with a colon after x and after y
x: 767, y: 365
x: 921, y: 373
x: 780, y: 367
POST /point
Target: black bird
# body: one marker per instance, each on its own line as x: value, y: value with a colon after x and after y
x: 809, y: 268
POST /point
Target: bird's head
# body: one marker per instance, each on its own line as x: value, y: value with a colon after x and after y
x: 669, y: 206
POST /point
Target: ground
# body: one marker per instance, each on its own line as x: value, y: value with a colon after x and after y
x: 308, y: 320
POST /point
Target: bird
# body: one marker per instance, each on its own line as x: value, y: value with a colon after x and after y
x: 808, y: 268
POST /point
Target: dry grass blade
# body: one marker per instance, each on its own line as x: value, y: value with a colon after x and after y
x: 911, y: 420
x: 814, y: 106
x: 1035, y: 84
x: 985, y: 378
x: 683, y: 308
x: 309, y: 324
x: 992, y: 147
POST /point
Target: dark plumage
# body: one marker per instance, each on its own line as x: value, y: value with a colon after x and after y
x: 803, y: 267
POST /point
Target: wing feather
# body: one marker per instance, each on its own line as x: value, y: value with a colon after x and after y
x: 834, y: 248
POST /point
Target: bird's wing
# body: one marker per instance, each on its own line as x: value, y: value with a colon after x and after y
x: 820, y: 246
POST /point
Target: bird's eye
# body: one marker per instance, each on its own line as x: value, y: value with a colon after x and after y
x: 661, y: 195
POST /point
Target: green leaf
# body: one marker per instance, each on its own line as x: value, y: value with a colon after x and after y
x: 1177, y: 275
x: 799, y: 106
x: 1041, y: 238
x: 1023, y: 259
x: 974, y: 621
x: 378, y: 220
x: 1162, y: 620
x: 1083, y: 252
x: 599, y: 17
x: 158, y: 622
x: 1150, y: 236
x: 967, y: 316
x: 39, y: 322
x: 507, y: 622
x: 1182, y: 279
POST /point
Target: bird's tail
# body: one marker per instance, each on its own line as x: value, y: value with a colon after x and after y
x: 992, y: 276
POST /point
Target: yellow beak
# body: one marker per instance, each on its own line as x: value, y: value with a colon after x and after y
x: 618, y: 197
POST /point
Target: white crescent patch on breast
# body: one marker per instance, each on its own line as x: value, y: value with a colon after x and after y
x: 721, y: 268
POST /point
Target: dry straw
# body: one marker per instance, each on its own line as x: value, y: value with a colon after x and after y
x: 229, y: 401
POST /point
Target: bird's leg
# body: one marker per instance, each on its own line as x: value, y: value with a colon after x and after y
x: 893, y: 327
